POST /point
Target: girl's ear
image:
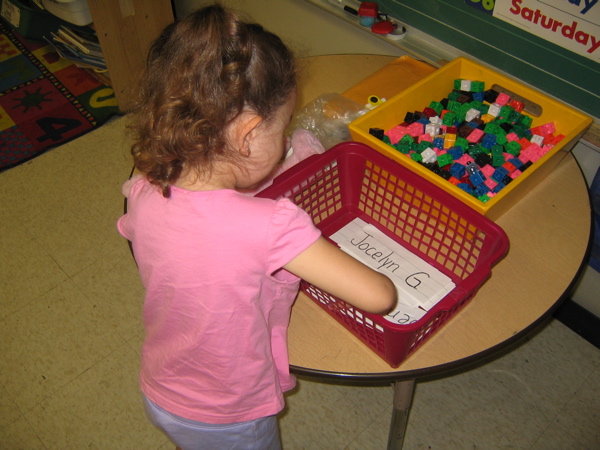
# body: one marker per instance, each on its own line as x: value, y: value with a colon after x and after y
x: 244, y: 129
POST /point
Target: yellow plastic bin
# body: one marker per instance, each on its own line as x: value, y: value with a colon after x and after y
x: 568, y: 121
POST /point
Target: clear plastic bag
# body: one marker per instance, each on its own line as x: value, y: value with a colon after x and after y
x: 328, y: 117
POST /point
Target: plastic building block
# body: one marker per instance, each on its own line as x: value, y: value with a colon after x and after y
x: 437, y: 107
x: 483, y: 159
x: 377, y: 132
x: 502, y: 99
x: 416, y: 157
x: 499, y: 174
x: 477, y: 86
x: 367, y: 13
x: 429, y: 156
x: 456, y: 151
x: 445, y: 159
x: 465, y: 187
x: 491, y: 95
x: 475, y: 135
x: 479, y: 140
x: 458, y: 170
x: 514, y: 148
x: 494, y: 109
x: 518, y: 106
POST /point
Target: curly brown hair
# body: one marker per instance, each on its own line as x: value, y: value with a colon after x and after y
x: 201, y: 73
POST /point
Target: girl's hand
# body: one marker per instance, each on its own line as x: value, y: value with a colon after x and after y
x: 329, y: 268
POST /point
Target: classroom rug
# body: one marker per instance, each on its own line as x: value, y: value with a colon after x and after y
x: 45, y: 100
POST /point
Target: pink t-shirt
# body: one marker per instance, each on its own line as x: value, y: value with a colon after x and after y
x: 217, y: 305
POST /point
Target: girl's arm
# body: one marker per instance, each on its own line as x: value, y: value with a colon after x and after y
x: 327, y: 267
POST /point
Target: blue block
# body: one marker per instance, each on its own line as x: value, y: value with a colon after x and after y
x: 465, y: 187
x: 455, y: 151
x: 478, y: 96
x: 481, y: 190
x: 499, y: 174
x: 498, y: 187
x: 516, y: 162
x: 476, y: 179
x: 458, y: 170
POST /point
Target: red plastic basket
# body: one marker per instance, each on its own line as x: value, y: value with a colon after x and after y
x: 353, y: 180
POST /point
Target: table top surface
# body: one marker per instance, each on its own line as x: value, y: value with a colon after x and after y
x: 549, y: 232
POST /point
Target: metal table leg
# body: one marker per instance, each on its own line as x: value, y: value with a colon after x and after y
x: 403, y: 394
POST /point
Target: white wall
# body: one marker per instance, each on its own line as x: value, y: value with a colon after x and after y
x: 307, y: 29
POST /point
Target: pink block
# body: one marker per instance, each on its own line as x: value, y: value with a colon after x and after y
x: 515, y: 174
x: 465, y: 159
x: 475, y: 135
x: 512, y: 137
x: 416, y: 129
x: 425, y: 137
x: 534, y: 156
x: 549, y: 127
x: 502, y: 99
x: 545, y: 149
x: 396, y: 133
x: 490, y: 183
x: 488, y: 170
x: 545, y: 129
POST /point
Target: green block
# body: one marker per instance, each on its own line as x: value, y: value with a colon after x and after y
x: 525, y: 120
x: 462, y: 142
x: 416, y: 157
x: 422, y: 146
x: 498, y: 160
x: 477, y: 86
x: 445, y: 159
x: 514, y: 148
x: 501, y: 138
x: 449, y: 118
x: 476, y: 150
x: 403, y: 148
x: 505, y: 112
x: 514, y: 116
x: 406, y: 139
x: 454, y: 106
x: 483, y: 108
x: 476, y: 104
x: 437, y: 107
x: 497, y: 150
x: 491, y: 128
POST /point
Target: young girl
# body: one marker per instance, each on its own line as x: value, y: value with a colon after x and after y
x: 221, y: 269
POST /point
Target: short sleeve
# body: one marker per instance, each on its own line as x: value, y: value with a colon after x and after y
x: 291, y: 231
x: 123, y: 228
x: 123, y: 222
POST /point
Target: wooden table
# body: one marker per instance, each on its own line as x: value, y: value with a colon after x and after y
x: 549, y: 231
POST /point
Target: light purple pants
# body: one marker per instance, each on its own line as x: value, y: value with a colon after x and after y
x: 259, y: 434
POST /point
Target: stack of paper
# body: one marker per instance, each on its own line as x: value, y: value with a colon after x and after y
x: 420, y: 285
x: 80, y: 46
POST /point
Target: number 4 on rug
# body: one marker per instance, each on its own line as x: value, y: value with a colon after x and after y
x: 56, y: 127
